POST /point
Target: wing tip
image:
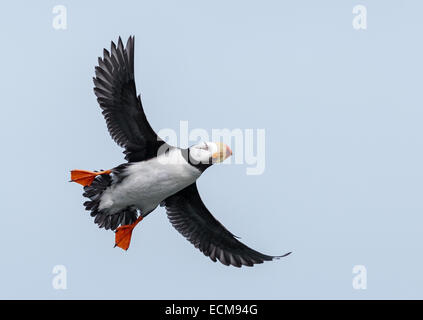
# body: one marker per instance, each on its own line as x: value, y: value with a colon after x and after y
x: 282, y: 256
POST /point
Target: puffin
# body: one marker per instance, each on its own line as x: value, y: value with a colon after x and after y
x: 155, y: 174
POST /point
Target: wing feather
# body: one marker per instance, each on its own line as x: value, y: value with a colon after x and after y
x: 114, y: 86
x: 188, y: 214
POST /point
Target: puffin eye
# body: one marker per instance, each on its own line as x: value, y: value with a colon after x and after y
x: 206, y: 147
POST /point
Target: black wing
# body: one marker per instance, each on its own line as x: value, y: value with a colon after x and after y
x: 122, y: 109
x: 190, y: 217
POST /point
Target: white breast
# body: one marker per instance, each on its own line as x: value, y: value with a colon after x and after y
x: 150, y: 182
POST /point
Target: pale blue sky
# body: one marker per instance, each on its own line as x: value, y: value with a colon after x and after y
x: 342, y: 110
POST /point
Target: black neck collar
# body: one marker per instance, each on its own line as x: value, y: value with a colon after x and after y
x: 200, y: 166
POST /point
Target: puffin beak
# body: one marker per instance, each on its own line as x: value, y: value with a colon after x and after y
x: 228, y: 152
x: 222, y: 154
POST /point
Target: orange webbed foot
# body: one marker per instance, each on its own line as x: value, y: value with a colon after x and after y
x: 123, y: 234
x: 85, y: 177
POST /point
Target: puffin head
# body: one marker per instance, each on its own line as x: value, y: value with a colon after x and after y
x: 204, y: 154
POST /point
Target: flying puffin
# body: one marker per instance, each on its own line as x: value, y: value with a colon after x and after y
x: 155, y: 174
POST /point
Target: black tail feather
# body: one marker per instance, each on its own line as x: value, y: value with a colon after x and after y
x: 102, y: 217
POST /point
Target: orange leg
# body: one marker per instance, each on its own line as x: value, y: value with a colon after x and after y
x: 123, y: 234
x: 85, y: 177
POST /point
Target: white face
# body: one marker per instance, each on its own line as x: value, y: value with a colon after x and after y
x: 209, y: 152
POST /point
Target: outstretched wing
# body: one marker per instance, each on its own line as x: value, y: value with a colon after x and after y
x: 189, y: 215
x: 122, y: 109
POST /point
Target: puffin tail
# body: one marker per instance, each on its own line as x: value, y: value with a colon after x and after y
x: 103, y: 218
x: 85, y: 177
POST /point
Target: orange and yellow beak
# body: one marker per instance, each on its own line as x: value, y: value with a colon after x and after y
x: 222, y: 153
